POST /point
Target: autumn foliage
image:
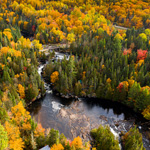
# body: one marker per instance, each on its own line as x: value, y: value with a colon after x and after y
x: 122, y: 85
x: 146, y: 112
x: 15, y: 141
x: 21, y: 91
x: 54, y: 76
x: 141, y: 54
x: 57, y: 147
x: 127, y: 51
x: 111, y: 62
x: 77, y: 143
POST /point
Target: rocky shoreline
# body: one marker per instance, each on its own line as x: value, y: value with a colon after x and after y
x: 81, y: 124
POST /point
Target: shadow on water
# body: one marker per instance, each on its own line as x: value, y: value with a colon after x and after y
x: 45, y: 112
x: 48, y: 107
x: 37, y: 105
x: 117, y: 109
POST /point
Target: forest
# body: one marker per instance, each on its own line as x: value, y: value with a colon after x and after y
x: 105, y: 62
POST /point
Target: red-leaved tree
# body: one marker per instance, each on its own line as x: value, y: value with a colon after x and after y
x: 141, y: 54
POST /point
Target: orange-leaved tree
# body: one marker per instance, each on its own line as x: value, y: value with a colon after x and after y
x: 39, y: 131
x: 54, y: 76
x: 141, y: 54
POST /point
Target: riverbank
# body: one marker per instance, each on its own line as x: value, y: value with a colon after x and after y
x: 59, y: 55
x: 78, y: 117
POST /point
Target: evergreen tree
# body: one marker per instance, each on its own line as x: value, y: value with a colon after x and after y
x: 133, y: 140
x: 53, y: 137
x: 104, y: 139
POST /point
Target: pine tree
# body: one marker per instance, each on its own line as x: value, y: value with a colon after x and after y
x: 133, y: 140
x: 6, y: 76
x: 104, y: 139
x: 53, y: 137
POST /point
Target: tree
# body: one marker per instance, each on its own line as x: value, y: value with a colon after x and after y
x: 5, y: 96
x: 118, y: 37
x: 21, y: 91
x: 133, y: 94
x: 54, y: 76
x: 15, y: 141
x: 77, y: 88
x: 3, y: 115
x: 37, y: 45
x: 147, y: 32
x: 39, y: 135
x: 6, y: 76
x: 71, y: 37
x: 146, y: 112
x: 57, y: 147
x: 53, y: 137
x: 142, y: 39
x: 21, y: 117
x: 141, y: 54
x: 31, y: 92
x: 3, y: 138
x: 133, y: 140
x: 104, y: 139
x: 117, y: 43
x: 39, y: 131
x: 77, y: 143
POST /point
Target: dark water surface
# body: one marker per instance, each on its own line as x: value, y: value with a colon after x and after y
x: 46, y: 111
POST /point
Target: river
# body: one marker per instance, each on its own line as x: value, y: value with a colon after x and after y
x: 77, y: 117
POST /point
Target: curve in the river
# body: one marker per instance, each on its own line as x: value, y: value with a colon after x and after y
x: 77, y: 118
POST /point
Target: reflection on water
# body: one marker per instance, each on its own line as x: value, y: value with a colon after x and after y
x: 45, y: 111
x: 97, y: 108
x: 108, y: 109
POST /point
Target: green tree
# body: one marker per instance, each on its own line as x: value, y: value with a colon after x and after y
x: 133, y: 140
x: 104, y: 139
x: 6, y: 76
x: 3, y: 138
x: 53, y: 137
x: 31, y: 93
x: 78, y: 88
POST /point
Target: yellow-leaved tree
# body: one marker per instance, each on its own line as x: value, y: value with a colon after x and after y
x: 37, y: 45
x: 21, y: 91
x: 146, y: 113
x: 54, y: 76
x: 57, y: 147
x: 15, y: 142
x: 77, y: 143
x: 71, y: 37
x: 21, y: 117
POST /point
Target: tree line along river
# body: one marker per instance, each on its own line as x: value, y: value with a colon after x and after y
x: 77, y: 117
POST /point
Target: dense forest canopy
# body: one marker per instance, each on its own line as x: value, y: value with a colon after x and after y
x: 105, y: 62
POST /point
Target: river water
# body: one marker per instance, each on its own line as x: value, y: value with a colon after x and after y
x: 78, y: 117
